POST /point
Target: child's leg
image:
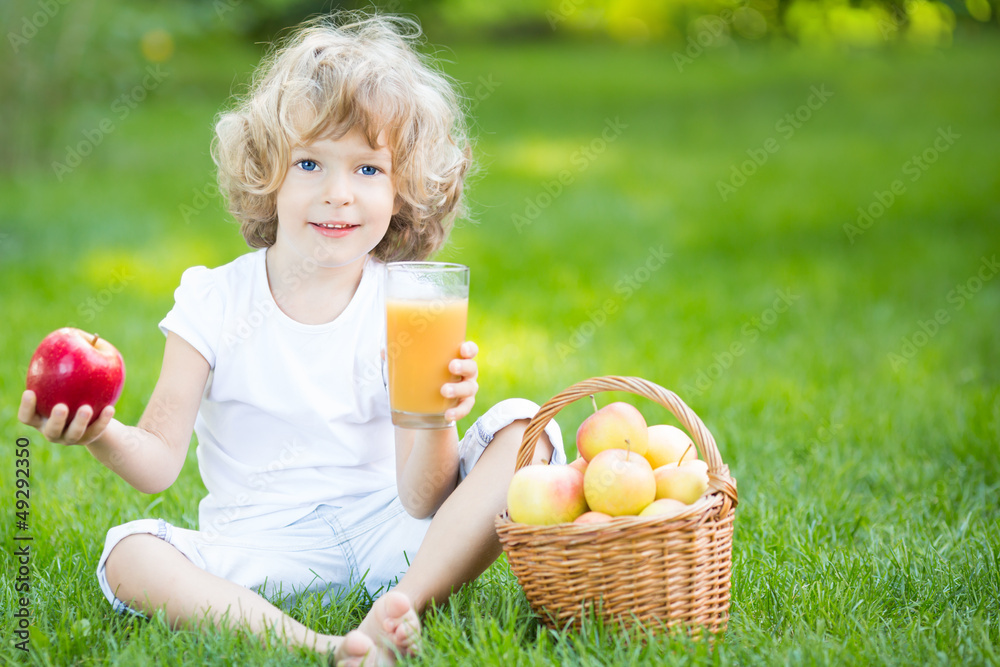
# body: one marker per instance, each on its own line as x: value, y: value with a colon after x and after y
x: 149, y: 574
x: 461, y: 541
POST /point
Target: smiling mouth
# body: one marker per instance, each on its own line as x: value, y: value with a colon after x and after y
x: 326, y: 225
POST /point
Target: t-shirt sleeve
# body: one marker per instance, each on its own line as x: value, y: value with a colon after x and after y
x: 198, y: 312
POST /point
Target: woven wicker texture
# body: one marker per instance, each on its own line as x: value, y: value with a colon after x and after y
x: 660, y: 572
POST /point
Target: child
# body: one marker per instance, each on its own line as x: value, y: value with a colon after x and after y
x: 348, y: 151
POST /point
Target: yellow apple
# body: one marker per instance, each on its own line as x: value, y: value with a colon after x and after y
x: 663, y: 507
x: 615, y: 426
x: 593, y: 517
x: 580, y: 464
x: 543, y: 495
x: 667, y: 444
x: 619, y: 482
x: 682, y: 481
x: 696, y: 463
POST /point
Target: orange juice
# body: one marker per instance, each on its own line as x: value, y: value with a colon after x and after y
x: 422, y: 336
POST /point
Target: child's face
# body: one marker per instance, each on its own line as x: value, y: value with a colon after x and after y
x: 336, y: 200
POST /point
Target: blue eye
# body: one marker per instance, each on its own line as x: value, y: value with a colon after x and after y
x: 369, y: 170
x: 308, y: 165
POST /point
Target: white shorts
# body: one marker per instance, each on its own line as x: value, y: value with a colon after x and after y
x: 331, y: 549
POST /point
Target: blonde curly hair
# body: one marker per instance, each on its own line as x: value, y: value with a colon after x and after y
x: 331, y: 75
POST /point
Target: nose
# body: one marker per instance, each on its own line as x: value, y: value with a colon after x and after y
x: 337, y: 189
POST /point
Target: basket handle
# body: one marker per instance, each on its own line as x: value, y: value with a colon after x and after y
x: 719, y: 478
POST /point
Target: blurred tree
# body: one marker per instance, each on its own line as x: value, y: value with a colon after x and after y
x: 66, y: 63
x: 812, y: 22
x: 80, y: 56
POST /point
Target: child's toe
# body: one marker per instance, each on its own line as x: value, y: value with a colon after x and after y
x: 353, y: 650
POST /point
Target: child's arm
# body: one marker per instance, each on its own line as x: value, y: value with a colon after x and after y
x: 148, y: 456
x: 427, y: 459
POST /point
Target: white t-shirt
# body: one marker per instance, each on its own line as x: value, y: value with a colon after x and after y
x: 294, y: 415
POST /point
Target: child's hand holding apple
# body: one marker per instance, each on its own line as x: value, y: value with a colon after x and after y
x: 73, y: 382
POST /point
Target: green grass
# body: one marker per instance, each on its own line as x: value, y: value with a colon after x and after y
x: 867, y: 529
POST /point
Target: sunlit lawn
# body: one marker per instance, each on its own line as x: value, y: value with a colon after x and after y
x: 850, y: 374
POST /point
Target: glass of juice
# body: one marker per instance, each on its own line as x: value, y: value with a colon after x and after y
x: 426, y: 307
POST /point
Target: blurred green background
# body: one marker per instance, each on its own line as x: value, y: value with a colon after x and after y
x: 787, y: 212
x: 745, y: 133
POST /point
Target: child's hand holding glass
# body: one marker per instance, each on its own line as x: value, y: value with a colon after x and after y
x: 464, y: 392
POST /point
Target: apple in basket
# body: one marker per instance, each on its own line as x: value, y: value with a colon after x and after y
x: 663, y: 507
x: 543, y: 495
x: 615, y: 426
x: 685, y: 481
x: 668, y: 444
x: 594, y: 517
x: 619, y: 482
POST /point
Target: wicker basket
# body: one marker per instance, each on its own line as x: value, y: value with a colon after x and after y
x: 658, y: 572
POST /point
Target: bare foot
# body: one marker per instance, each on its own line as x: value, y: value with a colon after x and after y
x: 353, y: 649
x: 394, y: 626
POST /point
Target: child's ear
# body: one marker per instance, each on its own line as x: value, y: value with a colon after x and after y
x: 397, y: 205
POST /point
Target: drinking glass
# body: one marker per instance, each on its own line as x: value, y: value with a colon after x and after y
x: 426, y: 306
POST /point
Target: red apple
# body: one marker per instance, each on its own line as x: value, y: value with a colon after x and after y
x: 615, y: 426
x: 593, y: 517
x: 542, y: 495
x: 76, y: 368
